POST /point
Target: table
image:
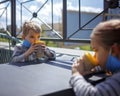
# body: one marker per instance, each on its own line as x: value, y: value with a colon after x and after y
x: 37, y: 79
x: 42, y: 79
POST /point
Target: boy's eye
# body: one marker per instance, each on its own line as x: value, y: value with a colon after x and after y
x: 31, y: 36
x: 38, y: 37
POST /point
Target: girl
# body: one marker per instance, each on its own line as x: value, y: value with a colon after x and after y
x: 105, y: 41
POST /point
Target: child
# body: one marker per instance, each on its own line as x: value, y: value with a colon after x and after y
x: 105, y: 41
x: 27, y: 50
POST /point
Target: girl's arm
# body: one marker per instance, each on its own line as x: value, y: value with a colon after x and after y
x: 109, y: 87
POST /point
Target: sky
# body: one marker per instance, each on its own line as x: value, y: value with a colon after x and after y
x: 45, y: 12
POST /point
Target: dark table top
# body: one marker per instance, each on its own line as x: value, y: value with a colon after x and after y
x: 50, y: 78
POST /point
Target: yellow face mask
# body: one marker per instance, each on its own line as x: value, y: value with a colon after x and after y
x: 40, y: 42
x: 91, y: 59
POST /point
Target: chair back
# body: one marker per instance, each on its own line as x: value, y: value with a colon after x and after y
x: 7, y: 43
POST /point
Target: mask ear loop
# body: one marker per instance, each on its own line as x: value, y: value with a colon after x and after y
x: 110, y: 51
x: 107, y: 71
x: 116, y: 47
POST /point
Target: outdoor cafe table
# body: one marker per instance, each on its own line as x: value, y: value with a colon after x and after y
x: 40, y: 78
x: 36, y: 79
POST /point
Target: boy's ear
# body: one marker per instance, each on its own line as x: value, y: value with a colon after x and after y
x: 116, y: 49
x: 23, y: 37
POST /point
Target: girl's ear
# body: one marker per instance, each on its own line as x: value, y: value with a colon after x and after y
x: 115, y: 49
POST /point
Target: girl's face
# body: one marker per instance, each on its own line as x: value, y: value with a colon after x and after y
x: 100, y: 52
x: 32, y: 36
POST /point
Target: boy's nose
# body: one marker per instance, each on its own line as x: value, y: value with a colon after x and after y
x: 36, y: 40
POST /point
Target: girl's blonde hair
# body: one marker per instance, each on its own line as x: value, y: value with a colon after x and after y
x: 108, y: 32
x: 31, y: 25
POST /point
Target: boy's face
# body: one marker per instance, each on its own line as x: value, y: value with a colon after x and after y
x: 100, y: 52
x: 32, y: 36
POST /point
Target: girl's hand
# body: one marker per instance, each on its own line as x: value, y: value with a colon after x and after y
x: 78, y: 68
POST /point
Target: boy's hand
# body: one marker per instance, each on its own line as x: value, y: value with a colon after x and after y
x: 43, y: 47
x: 33, y: 48
x: 40, y: 47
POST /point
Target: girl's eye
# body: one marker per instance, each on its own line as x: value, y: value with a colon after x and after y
x: 95, y: 50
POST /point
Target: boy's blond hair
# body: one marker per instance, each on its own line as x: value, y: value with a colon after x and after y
x: 31, y: 25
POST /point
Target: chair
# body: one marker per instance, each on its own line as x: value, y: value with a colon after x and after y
x: 6, y: 47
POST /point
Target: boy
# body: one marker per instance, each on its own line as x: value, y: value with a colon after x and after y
x: 28, y: 50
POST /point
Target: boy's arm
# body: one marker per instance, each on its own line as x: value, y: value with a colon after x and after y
x: 18, y: 55
x: 50, y: 54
